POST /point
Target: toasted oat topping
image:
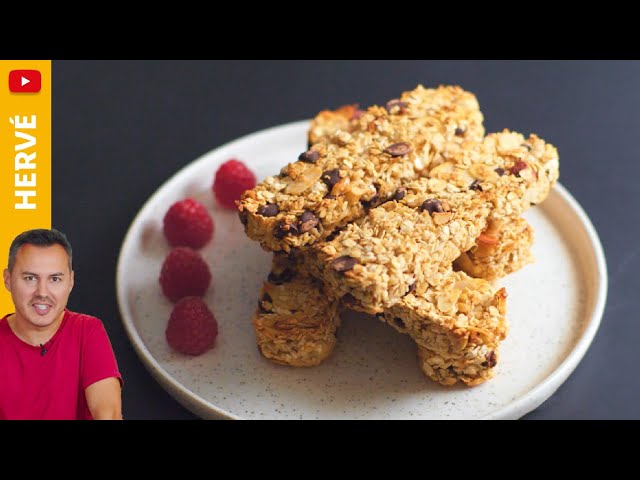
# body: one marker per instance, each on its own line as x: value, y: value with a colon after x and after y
x: 335, y: 178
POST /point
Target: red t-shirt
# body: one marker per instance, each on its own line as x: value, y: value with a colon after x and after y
x: 51, y: 386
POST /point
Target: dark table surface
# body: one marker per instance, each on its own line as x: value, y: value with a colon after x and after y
x: 121, y: 128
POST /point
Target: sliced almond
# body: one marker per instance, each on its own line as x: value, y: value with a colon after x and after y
x: 442, y: 171
x: 483, y: 173
x: 304, y: 179
x: 461, y: 177
x: 448, y: 300
x: 501, y: 300
x: 342, y: 137
x: 437, y: 185
x: 440, y: 218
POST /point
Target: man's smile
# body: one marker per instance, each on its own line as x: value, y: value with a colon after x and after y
x: 42, y: 308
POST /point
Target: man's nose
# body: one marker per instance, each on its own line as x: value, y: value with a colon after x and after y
x: 42, y: 289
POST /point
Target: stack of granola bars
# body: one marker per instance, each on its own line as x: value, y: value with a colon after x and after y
x: 407, y: 212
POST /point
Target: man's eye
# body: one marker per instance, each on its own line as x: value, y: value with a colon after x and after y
x: 56, y: 279
x: 29, y: 278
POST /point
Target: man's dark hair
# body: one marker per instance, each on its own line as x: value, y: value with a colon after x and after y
x: 40, y: 237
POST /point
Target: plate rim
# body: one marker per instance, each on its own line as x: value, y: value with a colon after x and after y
x: 516, y: 409
x: 548, y: 386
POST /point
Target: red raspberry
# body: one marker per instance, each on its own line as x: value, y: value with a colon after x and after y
x: 187, y: 223
x: 192, y: 328
x: 184, y: 273
x: 231, y: 180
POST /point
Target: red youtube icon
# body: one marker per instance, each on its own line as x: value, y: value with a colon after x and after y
x: 25, y: 81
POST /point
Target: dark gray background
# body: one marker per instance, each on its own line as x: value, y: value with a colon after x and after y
x: 122, y: 128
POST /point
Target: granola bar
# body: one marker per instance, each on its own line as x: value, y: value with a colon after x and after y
x: 457, y: 324
x: 375, y: 261
x: 352, y: 170
x: 414, y: 238
x: 295, y: 323
x: 505, y: 246
x: 499, y: 251
x: 521, y: 171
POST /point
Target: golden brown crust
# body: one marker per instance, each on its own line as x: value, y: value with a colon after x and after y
x: 458, y: 326
x: 377, y: 259
x: 344, y: 175
x: 295, y: 323
x: 499, y: 251
x: 406, y: 241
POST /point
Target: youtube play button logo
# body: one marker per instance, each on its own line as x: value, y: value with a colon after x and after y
x: 25, y: 81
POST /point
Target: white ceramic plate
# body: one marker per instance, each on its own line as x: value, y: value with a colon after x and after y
x: 554, y: 308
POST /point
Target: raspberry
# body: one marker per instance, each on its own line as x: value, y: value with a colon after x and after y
x: 231, y: 180
x: 192, y: 328
x: 187, y: 223
x: 184, y: 273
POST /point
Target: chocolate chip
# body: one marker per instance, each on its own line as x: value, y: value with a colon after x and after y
x: 398, y: 149
x: 432, y: 206
x: 310, y: 156
x: 373, y: 201
x: 266, y: 298
x: 284, y: 258
x: 279, y: 278
x: 280, y: 232
x: 343, y: 264
x: 332, y: 235
x: 499, y: 171
x: 268, y: 210
x: 400, y: 194
x: 307, y: 221
x: 331, y: 177
x: 243, y: 217
x: 412, y: 288
x: 283, y: 229
x: 491, y: 359
x: 367, y: 204
x: 293, y: 230
x: 527, y: 146
x: 475, y: 185
x: 328, y: 196
x: 396, y: 102
x: 349, y: 300
x: 518, y: 167
x: 399, y: 323
x: 460, y: 131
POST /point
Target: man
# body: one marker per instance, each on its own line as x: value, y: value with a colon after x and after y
x: 54, y: 363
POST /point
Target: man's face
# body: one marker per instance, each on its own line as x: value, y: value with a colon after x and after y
x: 40, y: 284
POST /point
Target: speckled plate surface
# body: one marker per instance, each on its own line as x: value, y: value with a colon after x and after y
x: 554, y: 308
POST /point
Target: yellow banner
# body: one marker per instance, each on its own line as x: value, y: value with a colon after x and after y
x: 25, y: 150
